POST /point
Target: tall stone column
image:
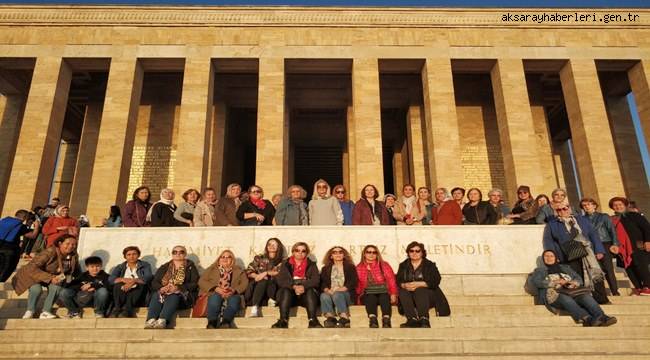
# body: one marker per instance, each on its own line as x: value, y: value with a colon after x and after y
x: 271, y: 169
x: 191, y: 170
x: 40, y: 135
x: 441, y: 125
x: 639, y: 76
x: 516, y: 129
x: 417, y: 166
x: 217, y: 141
x: 349, y: 158
x: 110, y: 175
x: 368, y: 158
x: 594, y: 150
x: 86, y: 159
x: 11, y: 113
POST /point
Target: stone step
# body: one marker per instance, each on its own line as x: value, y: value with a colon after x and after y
x: 340, y: 347
x: 358, y: 321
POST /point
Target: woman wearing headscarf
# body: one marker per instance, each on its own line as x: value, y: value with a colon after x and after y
x: 292, y: 209
x: 136, y: 210
x: 324, y: 209
x: 161, y: 214
x: 225, y: 281
x: 256, y: 210
x: 226, y: 209
x: 406, y: 212
x: 174, y: 287
x: 561, y: 288
x: 390, y: 201
x: 261, y: 273
x: 347, y: 206
x: 59, y: 225
x: 368, y: 210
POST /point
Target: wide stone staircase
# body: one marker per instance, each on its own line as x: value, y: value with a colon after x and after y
x: 481, y: 326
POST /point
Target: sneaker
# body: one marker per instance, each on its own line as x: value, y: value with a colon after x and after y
x: 47, y: 315
x: 636, y: 291
x: 99, y: 316
x: 424, y: 323
x: 314, y: 324
x: 385, y: 322
x: 607, y: 320
x: 344, y: 323
x: 28, y: 314
x: 373, y: 323
x: 255, y: 312
x: 645, y: 292
x: 271, y: 303
x: 410, y: 323
x: 150, y: 324
x: 330, y: 322
x: 280, y: 324
x: 160, y: 324
x: 74, y: 315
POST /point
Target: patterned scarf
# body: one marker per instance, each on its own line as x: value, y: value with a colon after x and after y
x: 225, y: 277
x: 174, y: 276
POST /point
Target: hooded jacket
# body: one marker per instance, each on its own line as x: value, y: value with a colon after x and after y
x: 324, y: 210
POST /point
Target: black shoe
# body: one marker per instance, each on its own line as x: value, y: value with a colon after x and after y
x: 225, y: 325
x: 212, y: 324
x: 280, y: 324
x: 373, y: 322
x: 344, y: 322
x: 607, y: 320
x: 115, y: 313
x: 385, y: 322
x: 131, y: 314
x: 616, y: 293
x: 588, y: 321
x: 314, y: 324
x: 424, y: 323
x: 410, y: 323
x: 330, y: 322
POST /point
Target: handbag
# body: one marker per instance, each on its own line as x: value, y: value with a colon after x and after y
x: 200, y: 308
x: 574, y: 292
x: 573, y: 250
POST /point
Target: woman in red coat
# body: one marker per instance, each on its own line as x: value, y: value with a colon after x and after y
x: 446, y: 211
x: 368, y: 210
x: 59, y: 225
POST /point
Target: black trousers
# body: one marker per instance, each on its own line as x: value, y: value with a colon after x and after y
x: 262, y: 290
x: 599, y: 293
x: 608, y: 267
x: 9, y: 257
x: 286, y: 298
x: 372, y: 300
x: 640, y: 263
x: 128, y: 300
x: 416, y: 304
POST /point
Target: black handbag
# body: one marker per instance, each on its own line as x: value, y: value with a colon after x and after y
x: 574, y: 292
x: 573, y: 250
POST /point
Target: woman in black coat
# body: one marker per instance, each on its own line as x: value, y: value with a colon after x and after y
x: 418, y: 279
x: 478, y: 212
x: 256, y: 210
x: 338, y: 282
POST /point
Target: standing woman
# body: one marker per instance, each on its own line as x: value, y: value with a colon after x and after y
x: 424, y: 206
x: 136, y: 210
x: 59, y: 225
x: 114, y: 218
x: 204, y: 212
x: 347, y: 206
x: 478, y: 212
x: 130, y: 280
x: 262, y: 272
x: 458, y: 195
x: 292, y: 209
x: 389, y: 202
x: 446, y: 210
x: 226, y: 208
x: 419, y: 282
x: 377, y: 286
x: 161, y: 214
x: 338, y: 281
x: 324, y: 209
x: 184, y: 214
x: 525, y: 209
x: 406, y: 212
x: 225, y: 282
x: 368, y: 210
x: 256, y: 210
x: 545, y: 212
x: 298, y: 282
x: 173, y: 287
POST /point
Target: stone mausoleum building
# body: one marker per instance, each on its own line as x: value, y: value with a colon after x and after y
x: 99, y: 100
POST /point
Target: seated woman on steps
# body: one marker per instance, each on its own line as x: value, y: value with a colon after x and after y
x: 561, y: 288
x: 261, y: 273
x: 130, y: 280
x: 338, y: 279
x: 224, y: 281
x: 419, y: 280
x: 173, y: 287
x: 376, y: 286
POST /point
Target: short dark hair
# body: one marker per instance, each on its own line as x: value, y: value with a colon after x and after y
x: 136, y: 191
x: 63, y: 238
x: 189, y: 191
x: 456, y: 189
x: 131, y: 248
x: 625, y: 201
x: 588, y: 200
x: 363, y: 191
x: 418, y: 244
x: 22, y: 214
x: 93, y: 260
x: 480, y: 194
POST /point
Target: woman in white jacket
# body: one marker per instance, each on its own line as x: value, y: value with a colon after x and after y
x: 324, y: 209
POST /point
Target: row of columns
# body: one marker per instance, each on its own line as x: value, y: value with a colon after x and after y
x: 434, y: 144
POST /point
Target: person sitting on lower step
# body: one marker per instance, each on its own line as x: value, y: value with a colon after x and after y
x: 376, y: 286
x: 419, y: 282
x: 224, y: 281
x: 298, y: 281
x: 261, y: 273
x: 131, y: 281
x: 173, y: 287
x: 91, y: 288
x: 338, y: 279
x: 561, y: 288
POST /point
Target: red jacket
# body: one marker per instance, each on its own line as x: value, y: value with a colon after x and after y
x: 51, y: 233
x: 383, y: 275
x: 625, y: 248
x: 448, y: 213
x: 362, y: 213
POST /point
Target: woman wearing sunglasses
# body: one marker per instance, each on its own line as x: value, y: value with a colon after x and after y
x: 256, y: 210
x: 338, y: 279
x: 298, y: 282
x: 324, y: 209
x: 419, y: 282
x: 173, y: 287
x: 377, y: 286
x: 225, y: 281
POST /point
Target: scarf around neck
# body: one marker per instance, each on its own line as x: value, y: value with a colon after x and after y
x: 169, y: 203
x: 299, y: 271
x: 259, y: 203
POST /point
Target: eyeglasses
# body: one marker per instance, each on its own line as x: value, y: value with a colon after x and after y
x: 371, y: 252
x: 339, y: 192
x: 563, y: 209
x: 417, y: 251
x: 178, y: 252
x: 301, y: 251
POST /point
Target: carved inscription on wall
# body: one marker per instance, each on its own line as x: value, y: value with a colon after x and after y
x: 152, y: 166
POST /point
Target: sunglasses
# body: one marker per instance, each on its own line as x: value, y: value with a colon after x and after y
x: 256, y: 191
x: 321, y: 187
x: 178, y: 252
x: 371, y: 252
x: 340, y: 192
x: 563, y: 209
x: 302, y: 251
x: 417, y: 251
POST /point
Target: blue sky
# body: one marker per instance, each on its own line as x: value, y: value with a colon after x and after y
x: 444, y: 3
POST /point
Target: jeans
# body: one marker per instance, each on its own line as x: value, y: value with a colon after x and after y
x: 165, y: 310
x: 372, y: 300
x: 74, y: 300
x: 35, y: 292
x: 215, y: 303
x: 340, y: 300
x: 287, y: 297
x: 579, y: 307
